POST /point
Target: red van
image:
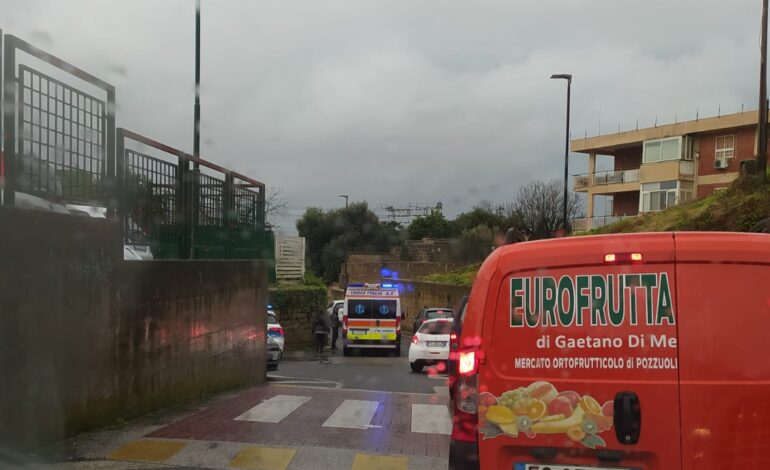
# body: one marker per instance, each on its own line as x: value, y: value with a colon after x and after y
x: 639, y: 351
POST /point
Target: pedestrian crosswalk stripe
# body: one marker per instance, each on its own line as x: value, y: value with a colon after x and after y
x: 352, y: 414
x: 263, y: 458
x: 379, y: 462
x: 147, y: 450
x: 431, y: 419
x: 274, y: 410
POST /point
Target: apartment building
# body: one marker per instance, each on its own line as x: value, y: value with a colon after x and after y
x: 659, y: 167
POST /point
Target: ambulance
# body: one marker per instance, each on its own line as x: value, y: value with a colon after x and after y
x: 371, y: 318
x: 635, y: 351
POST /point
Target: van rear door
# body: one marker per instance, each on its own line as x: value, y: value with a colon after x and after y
x: 724, y: 292
x: 580, y: 356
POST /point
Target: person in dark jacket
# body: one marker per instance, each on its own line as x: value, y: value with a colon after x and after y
x: 321, y: 326
x: 335, y: 322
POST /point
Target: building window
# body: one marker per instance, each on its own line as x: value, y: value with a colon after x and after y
x: 725, y: 147
x: 661, y: 150
x: 664, y: 194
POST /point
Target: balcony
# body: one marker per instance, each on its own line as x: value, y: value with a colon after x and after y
x: 605, y: 178
x: 592, y: 223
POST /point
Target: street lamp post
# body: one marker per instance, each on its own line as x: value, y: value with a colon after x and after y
x: 762, y: 121
x: 568, y: 77
x: 345, y: 239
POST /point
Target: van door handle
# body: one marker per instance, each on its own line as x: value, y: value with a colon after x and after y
x: 627, y: 417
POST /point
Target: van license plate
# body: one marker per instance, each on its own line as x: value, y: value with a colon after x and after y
x: 549, y: 466
x: 436, y: 344
x: 359, y: 332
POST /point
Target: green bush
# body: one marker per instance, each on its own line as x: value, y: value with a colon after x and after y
x: 459, y: 277
x: 298, y: 298
x: 313, y: 280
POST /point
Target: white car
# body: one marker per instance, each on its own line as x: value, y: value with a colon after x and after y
x: 430, y: 344
x: 274, y: 329
x: 336, y: 305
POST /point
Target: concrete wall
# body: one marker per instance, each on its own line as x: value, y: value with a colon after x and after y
x: 428, y: 294
x: 87, y: 338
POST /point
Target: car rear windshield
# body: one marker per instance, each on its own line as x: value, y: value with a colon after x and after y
x: 444, y: 313
x: 436, y: 328
x: 271, y: 320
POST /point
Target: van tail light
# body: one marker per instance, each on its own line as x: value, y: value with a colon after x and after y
x: 344, y: 324
x: 414, y: 339
x: 623, y: 258
x: 398, y: 326
x: 467, y: 363
x: 465, y: 421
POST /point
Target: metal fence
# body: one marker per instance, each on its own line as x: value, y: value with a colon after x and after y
x: 170, y: 204
x: 58, y: 140
x: 61, y: 146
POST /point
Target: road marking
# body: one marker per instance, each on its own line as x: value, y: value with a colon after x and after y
x: 274, y: 409
x: 431, y: 419
x: 263, y: 458
x: 147, y: 450
x: 379, y: 462
x: 352, y: 414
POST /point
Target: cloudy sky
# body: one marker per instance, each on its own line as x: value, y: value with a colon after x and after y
x: 400, y: 101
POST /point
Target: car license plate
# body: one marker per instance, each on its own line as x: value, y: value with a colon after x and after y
x: 436, y: 344
x: 549, y: 466
x: 359, y: 332
x: 274, y: 356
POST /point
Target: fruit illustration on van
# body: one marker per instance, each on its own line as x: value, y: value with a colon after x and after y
x: 540, y: 408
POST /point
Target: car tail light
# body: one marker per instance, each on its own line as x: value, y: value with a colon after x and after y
x: 453, y: 345
x: 275, y: 329
x: 414, y: 339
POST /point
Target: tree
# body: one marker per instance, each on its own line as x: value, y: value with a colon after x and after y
x: 275, y: 204
x: 431, y: 226
x: 475, y: 244
x: 331, y: 235
x: 539, y: 205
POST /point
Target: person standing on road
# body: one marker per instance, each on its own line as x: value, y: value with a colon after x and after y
x: 320, y: 331
x: 335, y: 323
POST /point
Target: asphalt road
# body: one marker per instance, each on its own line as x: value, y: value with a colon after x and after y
x: 373, y: 370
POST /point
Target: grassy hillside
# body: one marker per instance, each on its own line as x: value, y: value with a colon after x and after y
x: 737, y: 209
x: 459, y: 277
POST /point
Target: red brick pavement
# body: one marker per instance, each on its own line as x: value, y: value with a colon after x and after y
x: 303, y: 427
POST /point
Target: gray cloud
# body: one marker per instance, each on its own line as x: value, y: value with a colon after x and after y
x: 403, y: 101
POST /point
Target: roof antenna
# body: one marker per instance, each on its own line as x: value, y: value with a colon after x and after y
x: 719, y: 111
x: 741, y: 106
x: 676, y: 118
x: 618, y: 128
x: 637, y: 124
x: 697, y: 113
x: 656, y: 120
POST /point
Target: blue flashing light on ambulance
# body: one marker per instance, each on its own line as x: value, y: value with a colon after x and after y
x: 371, y: 318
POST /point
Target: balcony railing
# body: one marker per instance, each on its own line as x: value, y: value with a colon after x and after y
x: 607, y: 177
x: 591, y: 223
x: 687, y: 168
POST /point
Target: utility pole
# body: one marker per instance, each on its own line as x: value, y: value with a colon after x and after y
x: 568, y: 78
x: 762, y: 130
x: 197, y: 109
x: 345, y: 240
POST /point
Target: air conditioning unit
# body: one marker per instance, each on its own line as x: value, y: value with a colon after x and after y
x: 721, y: 163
